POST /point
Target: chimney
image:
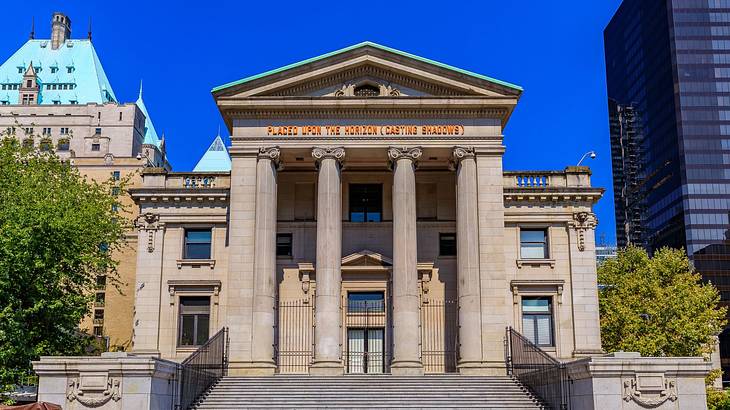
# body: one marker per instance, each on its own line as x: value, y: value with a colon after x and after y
x: 60, y: 30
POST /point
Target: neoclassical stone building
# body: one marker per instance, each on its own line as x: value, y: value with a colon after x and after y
x: 364, y: 224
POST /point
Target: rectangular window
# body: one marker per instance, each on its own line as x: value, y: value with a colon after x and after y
x: 197, y: 243
x: 361, y: 302
x: 537, y: 320
x: 98, y: 131
x: 98, y: 331
x: 533, y: 244
x: 99, y: 314
x: 194, y: 321
x: 366, y: 202
x: 63, y: 144
x: 116, y: 175
x: 64, y: 131
x: 95, y: 147
x: 284, y: 244
x: 46, y: 131
x: 115, y: 190
x: 447, y: 244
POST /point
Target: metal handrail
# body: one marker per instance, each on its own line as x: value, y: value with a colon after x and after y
x: 203, y: 368
x: 545, y: 376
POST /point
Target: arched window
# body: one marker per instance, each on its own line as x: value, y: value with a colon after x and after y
x: 367, y: 90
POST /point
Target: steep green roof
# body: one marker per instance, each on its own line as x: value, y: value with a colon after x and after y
x: 360, y: 45
x: 215, y: 159
x: 71, y: 73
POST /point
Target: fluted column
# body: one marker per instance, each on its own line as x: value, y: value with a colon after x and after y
x: 406, y: 316
x: 328, y: 318
x: 467, y: 253
x: 264, y: 288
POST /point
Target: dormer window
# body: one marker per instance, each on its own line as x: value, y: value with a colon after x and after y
x: 54, y: 70
x: 367, y: 90
x: 70, y: 69
x: 20, y: 70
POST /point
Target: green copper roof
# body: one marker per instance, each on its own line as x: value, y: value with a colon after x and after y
x: 71, y: 74
x: 360, y: 45
x: 150, y: 134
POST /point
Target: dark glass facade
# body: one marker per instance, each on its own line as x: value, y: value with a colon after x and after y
x: 668, y: 65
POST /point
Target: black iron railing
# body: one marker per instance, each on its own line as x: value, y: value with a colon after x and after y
x: 294, y: 336
x: 203, y: 368
x: 545, y: 376
x: 439, y: 331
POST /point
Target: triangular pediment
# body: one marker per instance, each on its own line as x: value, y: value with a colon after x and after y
x: 392, y: 73
x: 366, y: 258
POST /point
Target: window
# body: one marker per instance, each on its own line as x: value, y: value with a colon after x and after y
x: 54, y: 69
x: 358, y: 302
x: 95, y: 147
x: 447, y: 244
x: 98, y: 331
x: 367, y: 90
x: 533, y: 244
x: 98, y: 314
x: 63, y: 144
x: 28, y: 131
x: 46, y: 131
x: 197, y: 243
x: 20, y: 70
x: 28, y: 99
x: 283, y: 244
x: 194, y: 323
x: 28, y: 143
x: 46, y: 144
x: 101, y: 282
x: 537, y: 320
x: 98, y: 131
x: 116, y: 175
x: 100, y: 299
x: 64, y: 131
x: 366, y: 202
x: 29, y: 84
x: 70, y: 69
x: 115, y: 190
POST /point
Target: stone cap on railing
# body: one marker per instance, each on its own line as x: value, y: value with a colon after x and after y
x: 571, y: 177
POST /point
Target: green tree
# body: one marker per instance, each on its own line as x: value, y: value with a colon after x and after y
x: 657, y: 306
x: 58, y: 232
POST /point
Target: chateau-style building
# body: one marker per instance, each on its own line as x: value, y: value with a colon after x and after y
x: 363, y: 224
x: 55, y: 95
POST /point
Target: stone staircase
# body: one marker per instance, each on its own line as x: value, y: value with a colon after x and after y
x: 368, y: 391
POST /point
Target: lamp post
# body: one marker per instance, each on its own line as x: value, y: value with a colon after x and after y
x: 592, y: 154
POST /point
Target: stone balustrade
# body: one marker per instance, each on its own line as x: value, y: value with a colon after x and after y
x: 571, y: 177
x: 158, y: 178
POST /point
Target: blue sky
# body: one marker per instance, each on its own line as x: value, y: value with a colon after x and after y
x: 182, y: 49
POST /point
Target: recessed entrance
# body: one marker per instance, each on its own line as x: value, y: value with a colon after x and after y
x: 366, y: 321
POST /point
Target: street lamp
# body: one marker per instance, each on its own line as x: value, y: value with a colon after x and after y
x: 592, y: 154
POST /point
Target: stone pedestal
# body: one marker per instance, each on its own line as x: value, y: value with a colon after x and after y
x: 406, y: 309
x: 328, y: 274
x: 114, y: 381
x: 264, y: 288
x: 627, y: 381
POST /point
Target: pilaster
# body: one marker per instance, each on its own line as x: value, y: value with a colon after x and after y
x: 148, y: 287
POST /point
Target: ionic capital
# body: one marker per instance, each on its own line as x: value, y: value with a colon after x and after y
x: 461, y: 153
x: 270, y: 153
x: 336, y: 153
x: 395, y: 153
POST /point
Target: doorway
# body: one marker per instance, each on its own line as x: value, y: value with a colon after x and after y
x: 366, y: 336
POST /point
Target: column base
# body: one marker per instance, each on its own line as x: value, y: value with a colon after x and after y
x: 327, y: 368
x: 251, y: 369
x: 406, y: 368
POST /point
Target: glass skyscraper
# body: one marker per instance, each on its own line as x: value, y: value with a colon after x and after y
x: 668, y: 77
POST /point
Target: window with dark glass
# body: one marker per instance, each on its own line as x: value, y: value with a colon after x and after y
x: 367, y: 90
x: 115, y: 190
x: 100, y: 297
x: 365, y: 301
x: 447, y: 244
x: 63, y: 144
x: 194, y: 322
x: 116, y: 175
x: 98, y: 331
x: 46, y: 144
x: 537, y: 320
x: 197, y: 244
x: 99, y: 314
x: 284, y: 244
x: 533, y: 244
x: 28, y: 143
x: 366, y: 202
x: 95, y: 147
x: 101, y: 282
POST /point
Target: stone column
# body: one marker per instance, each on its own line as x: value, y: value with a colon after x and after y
x: 467, y: 252
x: 406, y: 313
x: 264, y: 287
x: 328, y: 317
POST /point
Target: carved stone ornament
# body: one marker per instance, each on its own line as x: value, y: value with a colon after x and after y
x: 149, y: 222
x: 395, y: 153
x: 460, y: 153
x: 649, y: 390
x: 270, y: 153
x: 583, y: 221
x: 94, y: 395
x: 320, y: 153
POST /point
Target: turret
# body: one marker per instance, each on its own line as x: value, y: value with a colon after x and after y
x: 60, y: 30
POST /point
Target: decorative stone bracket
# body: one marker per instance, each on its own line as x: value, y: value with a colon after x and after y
x: 94, y: 390
x: 151, y: 223
x: 204, y: 287
x: 581, y: 222
x: 306, y: 271
x: 649, y: 389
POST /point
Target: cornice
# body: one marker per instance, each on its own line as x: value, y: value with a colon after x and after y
x: 335, y: 112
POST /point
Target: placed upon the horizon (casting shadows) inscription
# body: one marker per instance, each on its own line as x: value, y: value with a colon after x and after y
x: 365, y: 130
